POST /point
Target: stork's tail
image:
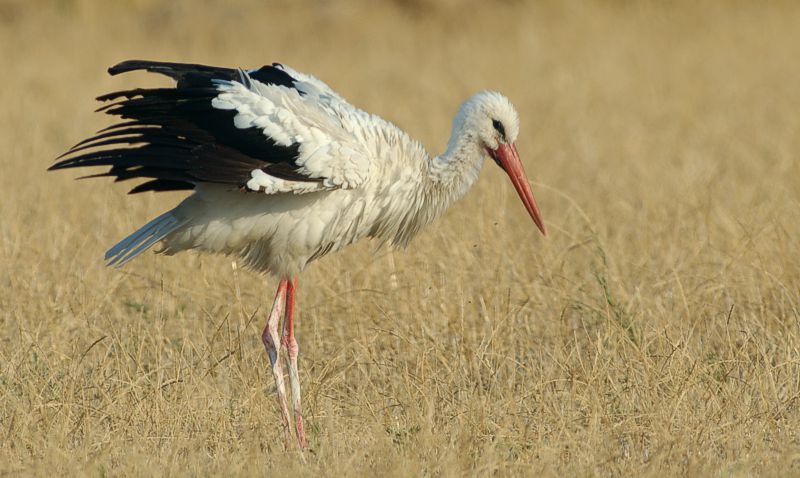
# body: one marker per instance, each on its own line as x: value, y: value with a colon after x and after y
x: 143, y: 239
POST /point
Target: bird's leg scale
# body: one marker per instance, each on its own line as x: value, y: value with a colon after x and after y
x: 272, y: 342
x: 292, y: 350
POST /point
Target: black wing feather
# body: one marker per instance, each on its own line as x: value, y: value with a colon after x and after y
x: 175, y: 138
x: 190, y: 74
x: 158, y: 185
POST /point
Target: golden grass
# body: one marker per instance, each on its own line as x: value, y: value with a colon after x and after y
x: 655, y: 331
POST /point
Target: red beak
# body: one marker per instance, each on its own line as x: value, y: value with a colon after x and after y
x: 507, y: 157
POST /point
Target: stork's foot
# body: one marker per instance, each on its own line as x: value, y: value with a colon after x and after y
x: 301, y: 431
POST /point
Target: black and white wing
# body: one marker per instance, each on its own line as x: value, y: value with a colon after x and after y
x: 271, y: 130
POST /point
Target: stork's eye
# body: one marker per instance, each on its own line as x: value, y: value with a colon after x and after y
x: 499, y: 127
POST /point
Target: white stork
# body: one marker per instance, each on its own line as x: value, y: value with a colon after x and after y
x: 285, y: 171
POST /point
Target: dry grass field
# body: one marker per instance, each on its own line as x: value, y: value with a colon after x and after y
x: 656, y: 330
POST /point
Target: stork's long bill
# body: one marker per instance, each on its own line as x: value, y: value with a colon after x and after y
x: 507, y: 158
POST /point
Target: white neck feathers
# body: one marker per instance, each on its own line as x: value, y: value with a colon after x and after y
x: 457, y: 169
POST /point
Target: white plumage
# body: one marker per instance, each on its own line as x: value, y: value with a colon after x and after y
x: 285, y: 171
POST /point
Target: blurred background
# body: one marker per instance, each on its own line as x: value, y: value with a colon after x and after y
x: 654, y: 330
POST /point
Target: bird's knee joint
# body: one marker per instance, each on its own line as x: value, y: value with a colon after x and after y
x: 269, y: 342
x: 292, y: 348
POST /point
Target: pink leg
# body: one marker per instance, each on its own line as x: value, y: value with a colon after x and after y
x: 292, y: 349
x: 272, y: 343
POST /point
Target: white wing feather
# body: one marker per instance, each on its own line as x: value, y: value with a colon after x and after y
x: 327, y: 151
x: 313, y: 87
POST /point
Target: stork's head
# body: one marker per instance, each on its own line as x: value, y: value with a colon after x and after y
x: 495, y: 123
